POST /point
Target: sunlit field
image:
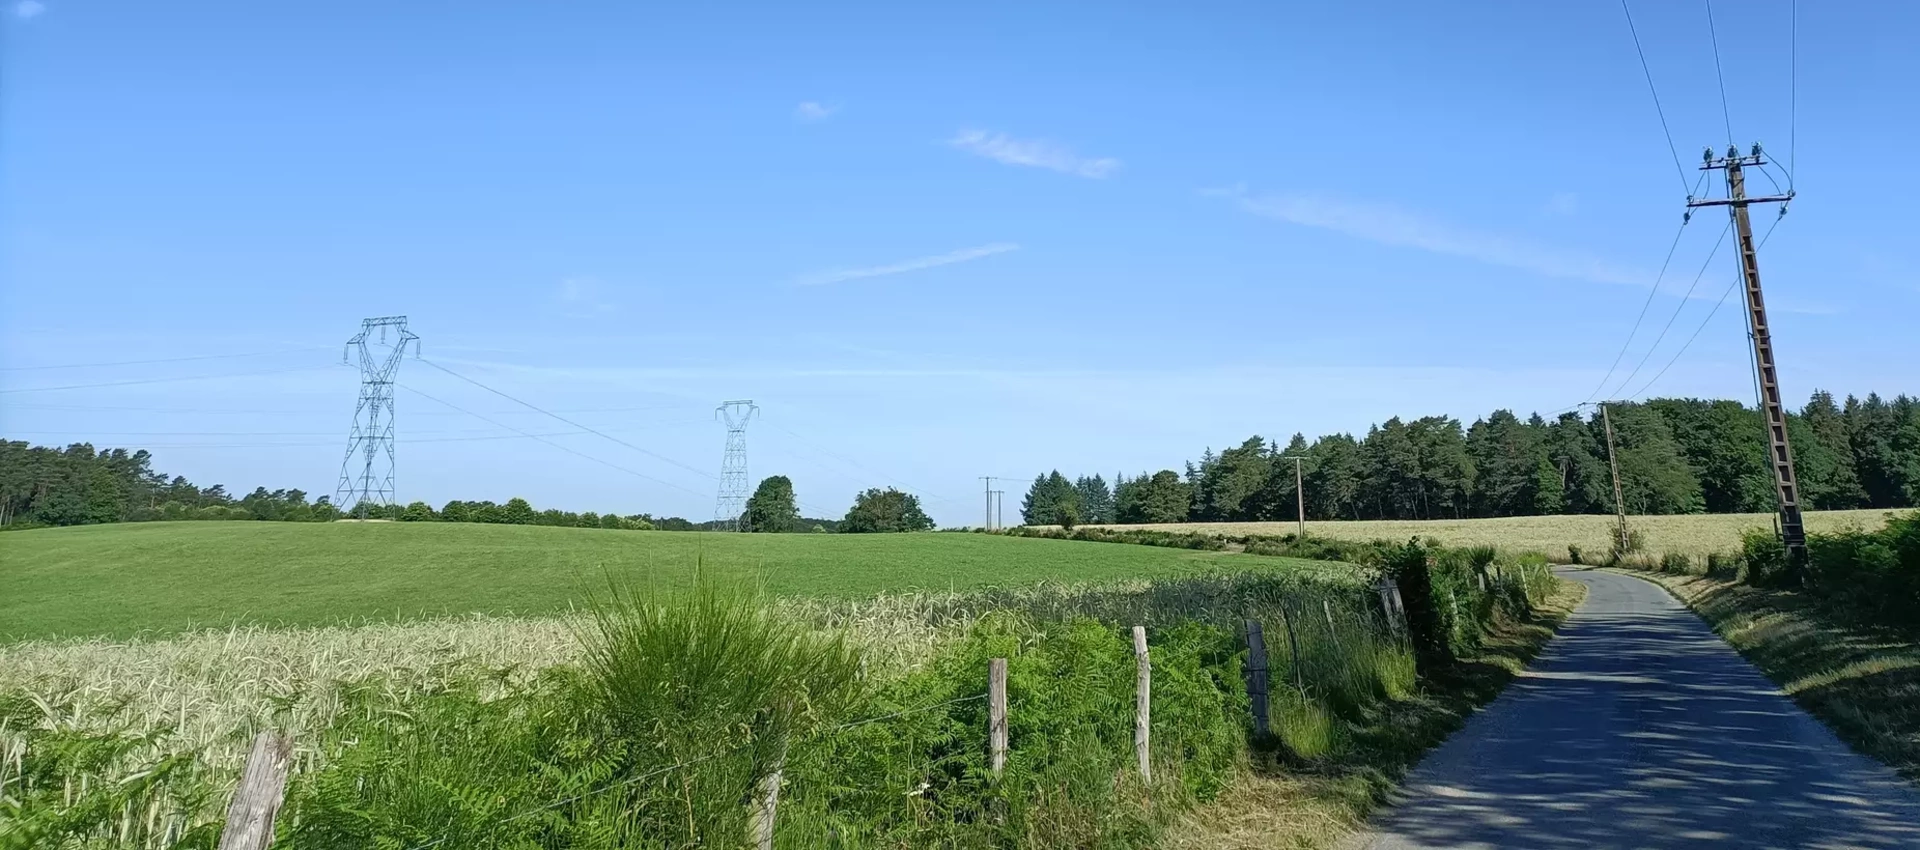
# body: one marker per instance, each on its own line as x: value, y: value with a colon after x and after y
x: 1694, y: 535
x: 157, y: 578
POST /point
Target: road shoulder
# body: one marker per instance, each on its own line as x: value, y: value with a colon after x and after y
x: 1322, y: 805
x: 1862, y: 682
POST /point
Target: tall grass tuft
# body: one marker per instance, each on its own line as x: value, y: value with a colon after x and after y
x: 678, y: 678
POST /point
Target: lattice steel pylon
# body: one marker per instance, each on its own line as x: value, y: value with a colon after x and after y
x: 732, y: 501
x: 366, y: 475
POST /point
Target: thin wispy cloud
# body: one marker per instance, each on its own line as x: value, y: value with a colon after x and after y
x: 1563, y: 203
x: 811, y: 111
x: 583, y: 296
x: 1033, y: 153
x: 1389, y: 225
x: 961, y: 256
x: 28, y: 9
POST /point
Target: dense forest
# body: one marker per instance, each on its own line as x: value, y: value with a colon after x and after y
x: 79, y: 485
x: 1676, y: 456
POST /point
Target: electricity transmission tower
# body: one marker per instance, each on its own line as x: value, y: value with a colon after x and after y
x: 1779, y: 454
x: 732, y: 501
x: 366, y: 475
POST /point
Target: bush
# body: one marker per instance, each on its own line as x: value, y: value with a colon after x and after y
x: 1764, y: 558
x: 1575, y: 554
x: 1677, y: 563
x: 1429, y: 621
x: 1873, y: 574
x: 1136, y: 536
x: 1724, y: 565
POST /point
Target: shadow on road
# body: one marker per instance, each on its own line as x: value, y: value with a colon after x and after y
x: 1640, y: 728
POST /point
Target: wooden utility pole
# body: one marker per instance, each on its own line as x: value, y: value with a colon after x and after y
x: 1786, y: 485
x: 989, y: 520
x: 1299, y: 494
x: 1619, y: 502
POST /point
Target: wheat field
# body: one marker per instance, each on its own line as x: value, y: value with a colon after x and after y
x: 1693, y: 535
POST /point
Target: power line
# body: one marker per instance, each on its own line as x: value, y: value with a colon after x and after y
x: 1725, y: 114
x: 919, y: 491
x: 305, y: 444
x: 167, y: 380
x: 1703, y: 322
x: 1793, y: 93
x: 542, y: 439
x: 201, y: 411
x: 595, y: 432
x: 1657, y: 279
x: 1675, y: 152
x: 427, y: 437
x: 162, y: 360
x: 1676, y: 311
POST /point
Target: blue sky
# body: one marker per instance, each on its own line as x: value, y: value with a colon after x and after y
x: 932, y: 242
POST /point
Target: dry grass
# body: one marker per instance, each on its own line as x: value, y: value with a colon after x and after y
x: 208, y: 692
x: 1267, y: 808
x: 1694, y: 535
x: 1862, y: 681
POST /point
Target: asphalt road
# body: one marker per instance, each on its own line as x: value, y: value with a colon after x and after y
x: 1638, y: 727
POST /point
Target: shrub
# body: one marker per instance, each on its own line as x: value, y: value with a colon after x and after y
x: 1873, y: 574
x: 1428, y: 624
x: 1764, y: 558
x: 1677, y: 563
x: 1724, y: 565
x: 1575, y: 554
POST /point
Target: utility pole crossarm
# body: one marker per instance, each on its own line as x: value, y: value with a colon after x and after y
x: 1739, y: 202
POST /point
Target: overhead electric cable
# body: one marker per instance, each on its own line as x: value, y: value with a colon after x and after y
x: 1657, y: 279
x: 1675, y: 152
x: 539, y: 438
x: 598, y: 433
x: 1676, y: 311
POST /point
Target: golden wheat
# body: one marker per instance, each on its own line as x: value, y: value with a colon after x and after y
x: 1693, y: 535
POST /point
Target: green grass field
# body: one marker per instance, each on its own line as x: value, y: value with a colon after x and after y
x: 161, y: 578
x: 1693, y: 535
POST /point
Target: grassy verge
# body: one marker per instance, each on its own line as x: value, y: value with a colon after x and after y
x: 1313, y: 804
x: 1863, y: 681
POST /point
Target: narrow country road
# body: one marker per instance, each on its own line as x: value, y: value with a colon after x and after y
x: 1638, y: 727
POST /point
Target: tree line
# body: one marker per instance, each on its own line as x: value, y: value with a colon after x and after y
x: 44, y: 486
x: 1676, y: 456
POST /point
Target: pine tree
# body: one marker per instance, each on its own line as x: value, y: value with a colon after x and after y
x: 1096, y: 501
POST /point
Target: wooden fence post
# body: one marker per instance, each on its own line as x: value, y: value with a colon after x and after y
x: 760, y: 826
x: 1257, y: 677
x: 997, y: 713
x: 1333, y: 631
x: 263, y: 786
x: 1382, y: 588
x: 1142, y: 703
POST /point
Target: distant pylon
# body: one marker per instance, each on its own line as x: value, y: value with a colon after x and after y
x: 366, y: 475
x: 732, y: 501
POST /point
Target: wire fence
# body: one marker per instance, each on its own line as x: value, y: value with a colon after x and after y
x: 662, y: 771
